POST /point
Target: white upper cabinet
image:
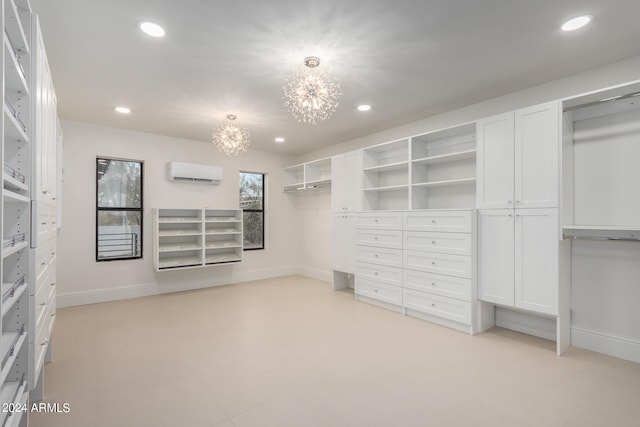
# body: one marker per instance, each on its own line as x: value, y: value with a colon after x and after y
x: 346, y: 190
x: 495, y: 162
x: 537, y: 149
x: 517, y: 159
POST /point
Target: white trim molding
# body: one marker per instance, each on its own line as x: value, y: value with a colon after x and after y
x: 623, y: 348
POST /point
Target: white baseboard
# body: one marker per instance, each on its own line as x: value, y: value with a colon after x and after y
x: 314, y: 273
x: 622, y: 348
x: 526, y: 323
x: 71, y: 299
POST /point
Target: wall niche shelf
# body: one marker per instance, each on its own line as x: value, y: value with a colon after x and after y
x: 190, y: 238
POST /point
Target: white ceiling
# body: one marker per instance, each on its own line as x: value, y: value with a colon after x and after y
x: 408, y: 59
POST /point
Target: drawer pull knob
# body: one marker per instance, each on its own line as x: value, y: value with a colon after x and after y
x: 44, y: 304
x: 433, y: 242
x: 43, y: 223
x: 53, y: 284
x: 376, y: 256
x: 433, y: 305
x: 375, y: 220
x: 433, y: 283
x: 433, y: 263
x: 433, y: 221
x: 375, y: 273
x: 53, y: 253
x: 43, y: 264
x: 375, y: 290
x: 375, y: 238
x: 45, y: 342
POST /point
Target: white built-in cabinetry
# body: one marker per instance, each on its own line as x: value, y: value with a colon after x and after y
x: 307, y: 176
x: 346, y: 200
x: 29, y: 137
x: 421, y: 263
x: 189, y: 238
x: 44, y: 211
x: 17, y: 145
x: 520, y: 252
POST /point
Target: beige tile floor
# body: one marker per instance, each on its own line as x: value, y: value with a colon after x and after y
x: 290, y: 352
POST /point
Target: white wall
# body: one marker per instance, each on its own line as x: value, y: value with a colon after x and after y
x: 315, y: 235
x: 83, y: 280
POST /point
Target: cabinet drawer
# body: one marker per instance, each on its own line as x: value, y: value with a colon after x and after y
x: 444, y: 243
x: 447, y: 221
x: 43, y: 223
x: 380, y: 238
x: 380, y: 220
x: 446, y: 286
x: 379, y: 256
x: 379, y: 291
x: 452, y: 265
x: 388, y: 275
x: 447, y: 308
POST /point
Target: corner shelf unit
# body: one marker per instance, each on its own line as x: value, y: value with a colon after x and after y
x: 189, y: 238
x: 307, y: 176
x: 15, y: 210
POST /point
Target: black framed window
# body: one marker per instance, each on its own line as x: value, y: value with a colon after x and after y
x: 252, y: 191
x: 118, y: 209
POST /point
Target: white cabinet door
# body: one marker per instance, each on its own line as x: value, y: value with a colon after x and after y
x: 494, y: 161
x: 537, y: 260
x: 496, y: 256
x: 344, y: 238
x: 346, y: 182
x: 537, y: 148
x: 338, y: 183
x: 353, y: 184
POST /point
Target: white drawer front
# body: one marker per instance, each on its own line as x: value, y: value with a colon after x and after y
x: 381, y: 238
x: 379, y: 220
x: 379, y: 273
x: 380, y: 256
x: 447, y: 308
x: 447, y: 221
x: 452, y: 265
x: 447, y: 286
x: 379, y: 291
x: 445, y: 243
x: 43, y: 224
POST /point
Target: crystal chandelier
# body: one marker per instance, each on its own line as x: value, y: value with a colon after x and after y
x: 230, y: 138
x: 310, y: 94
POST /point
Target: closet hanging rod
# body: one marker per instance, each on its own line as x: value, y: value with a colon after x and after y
x: 601, y: 233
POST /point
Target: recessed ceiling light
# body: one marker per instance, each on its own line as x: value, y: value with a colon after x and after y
x: 576, y: 23
x: 364, y: 107
x: 279, y: 139
x: 151, y: 29
x: 122, y: 110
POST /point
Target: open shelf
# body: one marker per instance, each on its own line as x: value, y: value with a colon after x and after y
x: 307, y: 176
x: 444, y: 158
x: 222, y: 258
x: 388, y: 167
x: 14, y: 73
x: 461, y: 181
x: 387, y: 188
x: 11, y: 293
x: 183, y: 236
x: 13, y: 27
x: 13, y: 129
x: 12, y: 184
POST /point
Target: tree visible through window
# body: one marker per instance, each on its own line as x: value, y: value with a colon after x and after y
x: 252, y: 204
x: 118, y: 209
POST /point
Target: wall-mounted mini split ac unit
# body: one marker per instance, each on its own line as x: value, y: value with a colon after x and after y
x: 192, y: 172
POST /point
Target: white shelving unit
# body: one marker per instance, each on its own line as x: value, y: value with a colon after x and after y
x: 385, y: 176
x: 443, y: 169
x: 307, y: 176
x: 189, y: 238
x: 15, y: 209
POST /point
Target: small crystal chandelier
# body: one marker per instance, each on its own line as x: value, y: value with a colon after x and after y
x: 230, y: 138
x: 310, y: 94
